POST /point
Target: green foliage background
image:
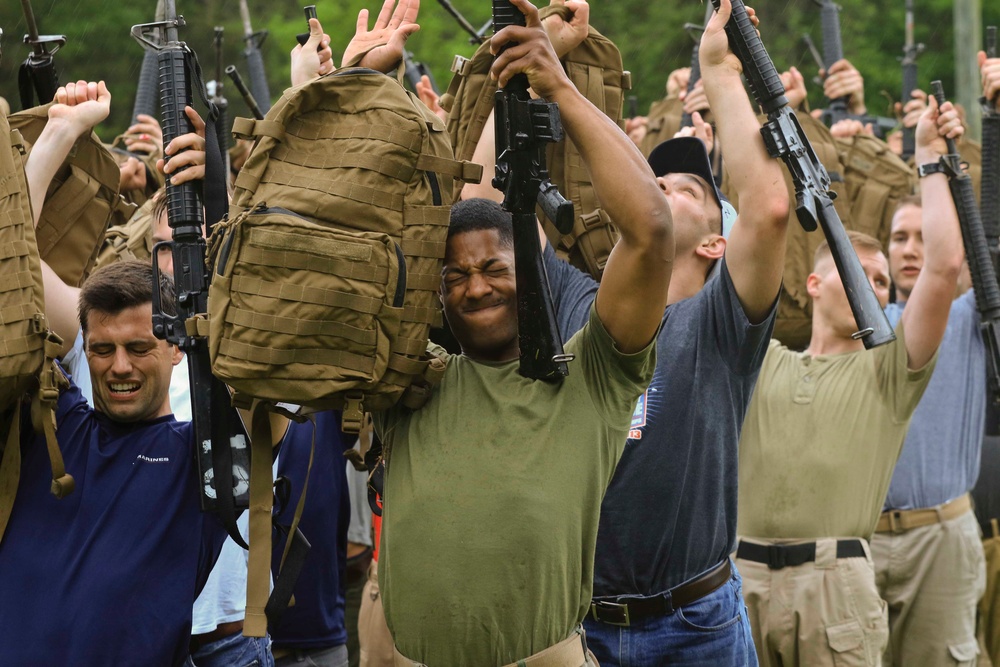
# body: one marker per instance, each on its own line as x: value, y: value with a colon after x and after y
x: 649, y: 34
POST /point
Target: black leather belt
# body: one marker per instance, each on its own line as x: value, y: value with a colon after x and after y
x: 622, y: 610
x: 778, y: 556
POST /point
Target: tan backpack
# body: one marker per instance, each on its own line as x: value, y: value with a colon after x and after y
x: 27, y: 348
x: 80, y: 203
x: 595, y: 68
x: 326, y: 271
x: 133, y: 240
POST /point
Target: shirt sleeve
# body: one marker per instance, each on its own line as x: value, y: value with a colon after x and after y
x: 900, y: 387
x: 613, y: 379
x: 741, y: 344
x: 573, y: 292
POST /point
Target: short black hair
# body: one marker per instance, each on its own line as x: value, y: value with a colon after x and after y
x: 123, y: 285
x: 475, y: 215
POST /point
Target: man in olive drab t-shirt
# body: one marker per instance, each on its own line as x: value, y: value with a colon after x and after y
x: 822, y: 435
x: 493, y: 489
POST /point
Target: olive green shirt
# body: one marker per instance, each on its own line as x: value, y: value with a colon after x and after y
x: 492, y: 497
x: 821, y: 439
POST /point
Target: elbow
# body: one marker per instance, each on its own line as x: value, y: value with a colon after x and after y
x: 658, y: 231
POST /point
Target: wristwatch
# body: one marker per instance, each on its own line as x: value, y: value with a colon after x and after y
x: 930, y: 168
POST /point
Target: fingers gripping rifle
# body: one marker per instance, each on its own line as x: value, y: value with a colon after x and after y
x: 37, y: 75
x: 255, y: 61
x: 523, y: 126
x: 220, y: 438
x: 909, y: 65
x: 695, y: 31
x: 833, y: 51
x: 784, y: 138
x: 989, y: 194
x: 977, y: 253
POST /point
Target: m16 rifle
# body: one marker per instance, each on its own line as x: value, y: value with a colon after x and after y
x: 977, y: 253
x: 523, y: 127
x: 37, y: 75
x: 909, y: 64
x: 414, y: 69
x: 220, y: 437
x: 147, y: 94
x: 476, y: 36
x: 695, y: 31
x: 784, y: 138
x: 303, y: 37
x: 255, y: 61
x: 248, y: 98
x: 989, y: 194
x: 833, y: 51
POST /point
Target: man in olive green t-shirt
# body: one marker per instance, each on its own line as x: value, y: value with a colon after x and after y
x: 493, y: 489
x: 822, y: 436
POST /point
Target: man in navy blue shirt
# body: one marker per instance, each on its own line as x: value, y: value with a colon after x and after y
x: 108, y: 574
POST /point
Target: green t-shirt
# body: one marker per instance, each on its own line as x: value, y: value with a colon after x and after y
x: 492, y: 496
x: 821, y: 439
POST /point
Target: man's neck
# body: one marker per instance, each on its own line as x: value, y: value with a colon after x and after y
x: 687, y: 278
x: 825, y: 341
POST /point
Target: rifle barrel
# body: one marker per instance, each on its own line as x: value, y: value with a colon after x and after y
x: 29, y: 18
x: 462, y: 21
x: 245, y: 17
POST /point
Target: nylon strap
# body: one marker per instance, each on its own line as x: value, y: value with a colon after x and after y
x: 43, y: 415
x: 270, y: 356
x: 294, y: 327
x: 296, y: 548
x: 261, y: 504
x: 300, y: 293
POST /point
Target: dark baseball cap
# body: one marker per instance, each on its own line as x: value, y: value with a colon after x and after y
x: 687, y: 155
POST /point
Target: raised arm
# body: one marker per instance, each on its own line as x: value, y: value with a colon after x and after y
x: 755, y: 252
x: 633, y: 292
x: 926, y: 313
x: 79, y: 107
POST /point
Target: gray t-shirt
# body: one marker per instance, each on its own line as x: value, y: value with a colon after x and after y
x: 940, y: 458
x: 670, y: 512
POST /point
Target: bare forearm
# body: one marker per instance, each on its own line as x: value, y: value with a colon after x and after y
x: 46, y: 156
x: 623, y: 181
x: 756, y: 176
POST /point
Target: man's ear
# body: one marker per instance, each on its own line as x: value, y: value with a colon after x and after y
x: 713, y: 247
x: 812, y: 285
x: 176, y: 354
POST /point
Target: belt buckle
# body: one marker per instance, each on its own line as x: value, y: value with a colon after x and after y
x: 895, y: 522
x: 614, y: 607
x: 776, y: 557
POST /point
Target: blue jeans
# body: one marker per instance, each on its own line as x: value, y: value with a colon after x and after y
x: 711, y: 632
x: 233, y: 651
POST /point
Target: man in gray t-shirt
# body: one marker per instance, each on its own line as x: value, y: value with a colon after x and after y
x: 928, y: 557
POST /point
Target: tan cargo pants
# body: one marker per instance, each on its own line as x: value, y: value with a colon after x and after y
x: 989, y: 606
x: 932, y: 578
x: 374, y: 641
x: 821, y: 614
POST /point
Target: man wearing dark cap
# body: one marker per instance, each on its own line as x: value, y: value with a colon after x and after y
x: 665, y: 591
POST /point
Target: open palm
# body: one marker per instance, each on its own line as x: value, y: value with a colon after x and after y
x: 381, y: 48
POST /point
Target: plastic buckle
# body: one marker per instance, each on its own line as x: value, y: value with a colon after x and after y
x: 776, y: 557
x: 618, y: 612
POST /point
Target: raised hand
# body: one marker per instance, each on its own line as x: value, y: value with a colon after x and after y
x: 314, y: 58
x: 381, y: 48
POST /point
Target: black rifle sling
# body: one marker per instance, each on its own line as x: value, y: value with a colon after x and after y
x: 216, y: 204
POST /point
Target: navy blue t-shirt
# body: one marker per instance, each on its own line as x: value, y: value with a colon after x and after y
x: 670, y: 511
x: 108, y: 574
x: 317, y: 618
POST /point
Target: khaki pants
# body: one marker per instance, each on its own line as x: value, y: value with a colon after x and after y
x: 825, y: 613
x: 989, y: 606
x: 932, y: 578
x: 374, y: 640
x: 567, y: 653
